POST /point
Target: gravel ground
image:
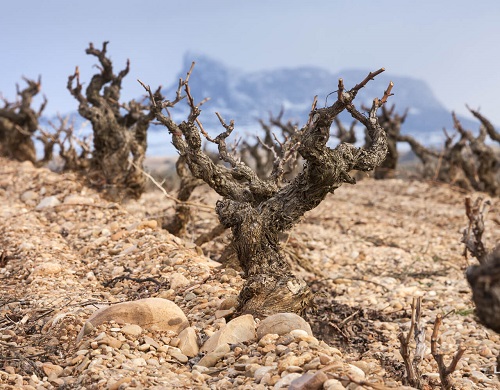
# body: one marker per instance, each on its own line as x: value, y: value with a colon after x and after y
x: 368, y: 250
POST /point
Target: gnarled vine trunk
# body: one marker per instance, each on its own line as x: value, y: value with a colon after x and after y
x: 19, y: 122
x: 120, y: 130
x: 257, y: 209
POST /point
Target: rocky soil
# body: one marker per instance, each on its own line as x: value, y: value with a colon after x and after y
x: 95, y: 295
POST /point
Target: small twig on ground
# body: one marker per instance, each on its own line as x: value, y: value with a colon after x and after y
x: 347, y: 319
x: 112, y: 282
x: 344, y: 334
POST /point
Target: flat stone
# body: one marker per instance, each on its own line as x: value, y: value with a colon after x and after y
x: 211, y: 359
x: 177, y: 354
x: 149, y: 313
x: 282, y: 323
x: 188, y: 343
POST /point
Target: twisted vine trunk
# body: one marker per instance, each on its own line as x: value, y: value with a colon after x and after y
x: 18, y: 124
x: 258, y: 210
x: 118, y: 137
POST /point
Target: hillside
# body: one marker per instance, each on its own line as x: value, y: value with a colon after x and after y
x: 367, y: 251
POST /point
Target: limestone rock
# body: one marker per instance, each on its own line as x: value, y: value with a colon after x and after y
x: 282, y: 323
x: 149, y: 313
x: 49, y: 201
x: 52, y: 370
x: 237, y: 330
x: 29, y: 196
x: 177, y: 281
x: 188, y: 342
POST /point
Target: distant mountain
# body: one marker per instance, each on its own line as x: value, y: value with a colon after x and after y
x: 247, y: 96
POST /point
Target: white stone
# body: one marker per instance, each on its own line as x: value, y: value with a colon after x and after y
x: 238, y: 330
x: 282, y: 323
x: 49, y: 201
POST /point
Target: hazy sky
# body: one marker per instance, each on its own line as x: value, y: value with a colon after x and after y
x: 454, y: 45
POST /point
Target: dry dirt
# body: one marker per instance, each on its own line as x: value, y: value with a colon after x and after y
x: 367, y: 251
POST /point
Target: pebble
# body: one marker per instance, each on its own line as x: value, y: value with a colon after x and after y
x: 211, y: 359
x: 178, y: 281
x: 88, y: 256
x: 151, y: 342
x: 77, y: 199
x: 52, y: 370
x: 49, y: 201
x: 29, y: 196
x: 177, y: 354
x: 286, y: 381
x: 333, y: 384
x: 132, y: 330
x: 261, y: 371
x: 309, y: 381
x: 139, y: 362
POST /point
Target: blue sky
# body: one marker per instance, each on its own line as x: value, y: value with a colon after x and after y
x: 454, y: 45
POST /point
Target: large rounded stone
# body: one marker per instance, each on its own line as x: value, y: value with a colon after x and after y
x: 149, y: 313
x: 282, y: 323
